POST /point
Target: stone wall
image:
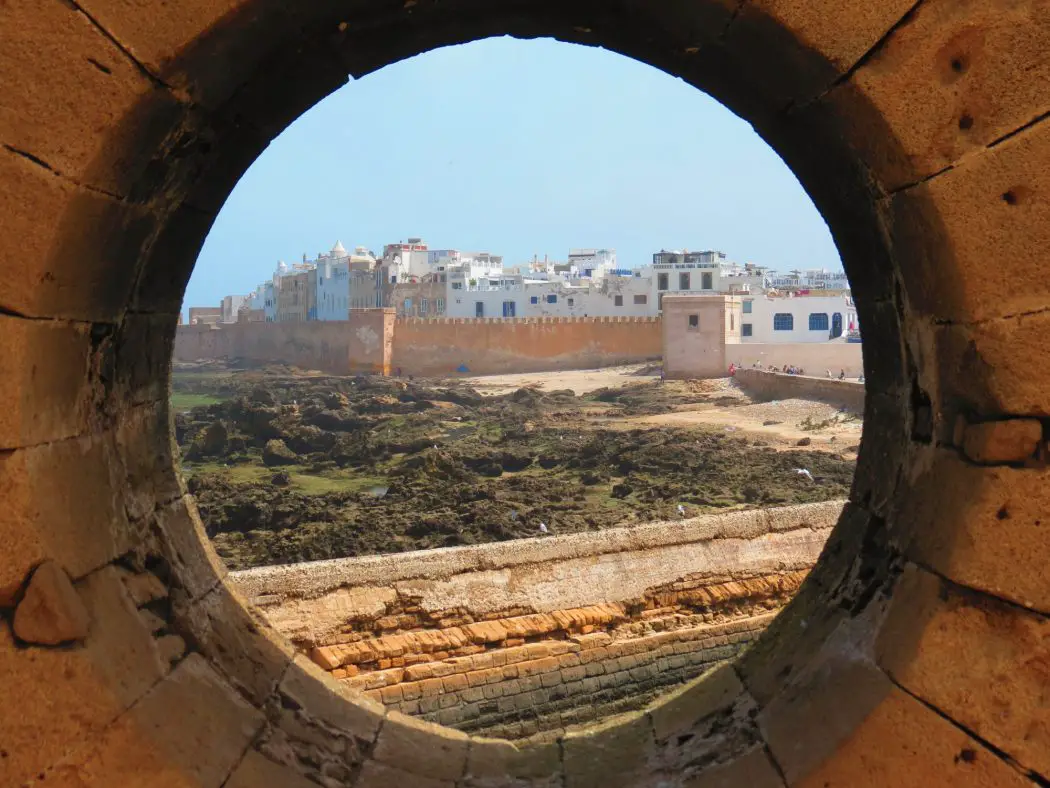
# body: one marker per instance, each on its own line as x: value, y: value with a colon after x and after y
x: 361, y: 344
x: 814, y: 357
x: 496, y: 346
x: 518, y: 638
x: 371, y: 341
x: 774, y: 385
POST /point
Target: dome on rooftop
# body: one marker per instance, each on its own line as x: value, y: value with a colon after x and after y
x: 338, y: 250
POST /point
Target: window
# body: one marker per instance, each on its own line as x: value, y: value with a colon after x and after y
x: 618, y: 300
x: 732, y: 322
x: 694, y: 322
x: 508, y: 309
x: 641, y: 299
x: 424, y: 306
x: 747, y: 307
x: 661, y: 281
x: 745, y: 329
x: 818, y: 321
x: 439, y: 305
x: 552, y: 299
x: 408, y: 305
x: 457, y: 285
x: 479, y: 309
x: 571, y: 302
x: 534, y: 300
x: 683, y: 280
x: 706, y: 281
x: 783, y: 321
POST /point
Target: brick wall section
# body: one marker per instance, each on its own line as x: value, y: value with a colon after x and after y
x: 538, y: 673
x: 773, y: 385
x: 549, y: 685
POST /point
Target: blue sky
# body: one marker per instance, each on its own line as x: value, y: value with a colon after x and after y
x: 517, y: 148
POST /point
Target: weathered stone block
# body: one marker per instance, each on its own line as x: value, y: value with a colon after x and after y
x: 997, y: 690
x: 322, y: 698
x: 945, y: 84
x: 251, y: 655
x: 67, y: 697
x: 753, y: 769
x: 258, y: 771
x: 105, y: 98
x: 380, y: 775
x: 812, y: 716
x: 61, y: 501
x: 51, y: 611
x: 986, y: 526
x: 611, y: 753
x: 196, y: 566
x: 997, y: 442
x: 979, y: 366
x: 192, y: 724
x: 986, y: 206
x: 421, y: 748
x: 903, y: 743
x: 680, y: 710
x: 492, y: 761
x: 825, y: 47
x: 43, y: 381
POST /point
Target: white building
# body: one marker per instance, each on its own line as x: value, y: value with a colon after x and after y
x: 592, y: 263
x: 612, y: 296
x: 406, y: 259
x: 701, y: 272
x: 787, y: 317
x: 812, y: 279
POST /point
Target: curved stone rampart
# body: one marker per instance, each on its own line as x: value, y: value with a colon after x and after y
x: 529, y: 636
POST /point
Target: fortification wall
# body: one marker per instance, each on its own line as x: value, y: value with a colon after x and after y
x: 361, y: 344
x: 496, y: 346
x: 814, y: 357
x: 529, y: 636
x: 372, y: 341
x: 774, y: 385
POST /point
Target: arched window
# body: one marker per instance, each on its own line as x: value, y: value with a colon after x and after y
x: 818, y: 321
x: 783, y: 321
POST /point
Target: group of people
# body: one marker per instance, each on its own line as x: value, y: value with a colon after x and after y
x: 787, y: 369
x: 791, y: 369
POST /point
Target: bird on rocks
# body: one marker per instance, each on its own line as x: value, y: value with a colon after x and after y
x: 543, y: 528
x: 804, y: 472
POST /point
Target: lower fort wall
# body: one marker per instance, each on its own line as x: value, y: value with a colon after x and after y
x: 525, y: 638
x: 774, y: 385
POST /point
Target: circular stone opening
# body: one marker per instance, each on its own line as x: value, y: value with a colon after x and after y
x: 142, y: 663
x: 608, y: 528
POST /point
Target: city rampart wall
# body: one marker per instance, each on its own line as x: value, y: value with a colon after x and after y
x: 774, y: 385
x: 529, y: 636
x: 495, y: 346
x: 372, y: 341
x: 361, y: 344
